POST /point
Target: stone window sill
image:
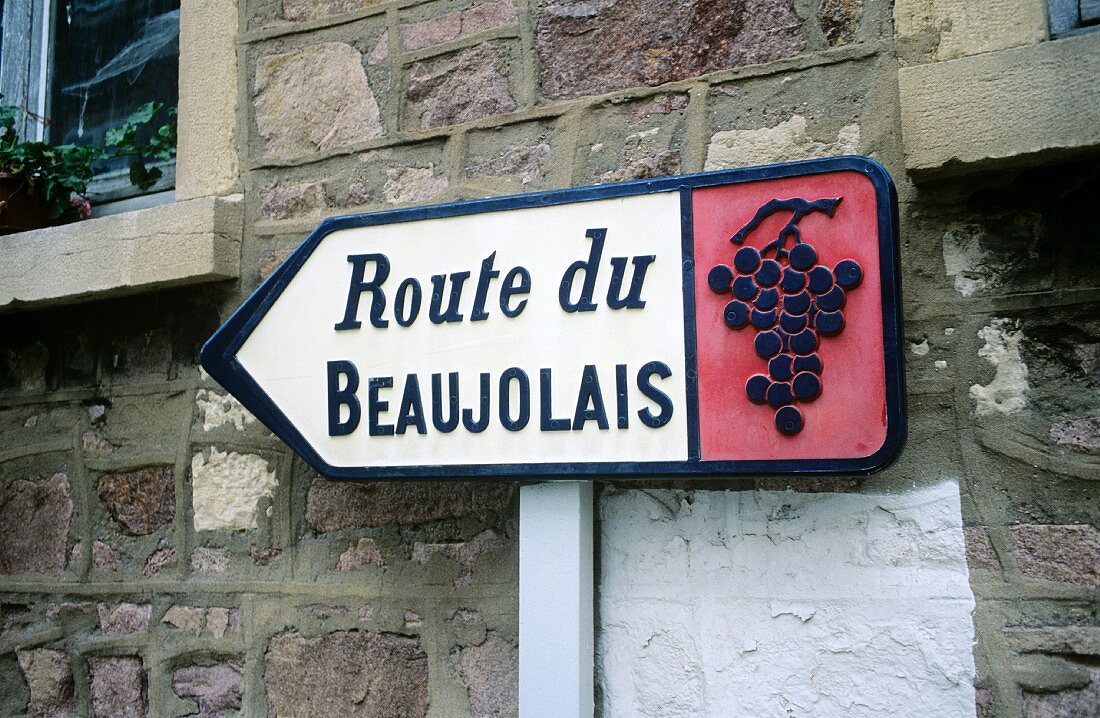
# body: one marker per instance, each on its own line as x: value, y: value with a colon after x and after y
x: 187, y: 242
x: 1000, y: 109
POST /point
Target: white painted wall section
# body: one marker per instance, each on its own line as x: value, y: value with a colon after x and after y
x: 783, y: 604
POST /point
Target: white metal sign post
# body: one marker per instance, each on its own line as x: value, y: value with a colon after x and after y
x: 555, y: 600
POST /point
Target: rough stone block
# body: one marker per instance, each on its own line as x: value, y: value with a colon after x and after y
x: 289, y: 201
x: 466, y: 554
x: 840, y: 20
x: 209, y: 560
x: 49, y: 677
x: 346, y: 673
x: 1070, y: 554
x: 451, y: 26
x: 215, y: 689
x: 1065, y: 704
x: 227, y: 488
x: 413, y: 185
x: 334, y: 505
x: 980, y: 555
x: 592, y: 48
x: 461, y: 87
x: 118, y: 687
x: 124, y: 619
x: 787, y: 141
x: 364, y: 553
x: 491, y: 674
x: 104, y: 557
x: 34, y: 525
x: 217, y: 410
x: 140, y: 501
x: 157, y: 561
x: 301, y: 10
x: 314, y: 99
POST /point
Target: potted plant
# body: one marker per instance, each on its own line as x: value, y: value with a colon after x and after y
x: 42, y: 184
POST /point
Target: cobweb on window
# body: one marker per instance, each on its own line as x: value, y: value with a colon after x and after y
x: 159, y: 37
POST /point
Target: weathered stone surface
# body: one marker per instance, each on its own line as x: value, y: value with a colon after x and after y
x: 217, y: 621
x: 227, y: 489
x: 436, y: 30
x: 588, y: 48
x: 124, y: 618
x: 408, y: 185
x: 364, y: 553
x: 1082, y: 433
x: 491, y: 674
x: 980, y: 554
x: 1070, y: 554
x: 334, y: 505
x: 787, y: 141
x: 526, y: 161
x: 49, y: 677
x: 140, y: 501
x: 1007, y: 392
x: 158, y: 560
x: 299, y: 10
x: 840, y: 20
x: 92, y: 441
x: 216, y: 689
x: 1066, y: 704
x: 34, y: 525
x: 660, y: 165
x: 948, y: 29
x: 186, y: 618
x: 210, y: 560
x: 104, y: 557
x: 459, y: 88
x: 346, y: 673
x: 264, y: 556
x: 983, y: 703
x: 466, y: 554
x: 300, y: 199
x: 118, y: 687
x: 315, y: 98
x: 217, y: 410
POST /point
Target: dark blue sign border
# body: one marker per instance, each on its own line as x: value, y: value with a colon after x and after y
x: 219, y: 354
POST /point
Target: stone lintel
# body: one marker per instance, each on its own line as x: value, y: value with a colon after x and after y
x: 1007, y: 108
x: 166, y: 246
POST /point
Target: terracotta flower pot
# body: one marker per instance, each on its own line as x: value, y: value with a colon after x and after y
x: 21, y: 208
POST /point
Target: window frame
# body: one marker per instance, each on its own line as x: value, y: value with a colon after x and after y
x: 26, y: 71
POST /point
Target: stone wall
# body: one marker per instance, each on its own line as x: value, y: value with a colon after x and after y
x: 162, y: 554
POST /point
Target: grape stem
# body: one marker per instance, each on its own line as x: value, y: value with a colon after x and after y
x: 798, y: 207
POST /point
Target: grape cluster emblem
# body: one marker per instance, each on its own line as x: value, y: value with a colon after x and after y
x: 792, y: 301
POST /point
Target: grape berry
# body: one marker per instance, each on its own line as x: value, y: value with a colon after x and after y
x: 792, y: 301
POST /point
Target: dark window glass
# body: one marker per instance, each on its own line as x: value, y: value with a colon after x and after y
x: 109, y: 58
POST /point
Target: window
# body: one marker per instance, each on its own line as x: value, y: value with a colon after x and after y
x: 1071, y: 17
x: 86, y: 65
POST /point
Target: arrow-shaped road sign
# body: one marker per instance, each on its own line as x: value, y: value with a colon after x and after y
x: 726, y: 323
